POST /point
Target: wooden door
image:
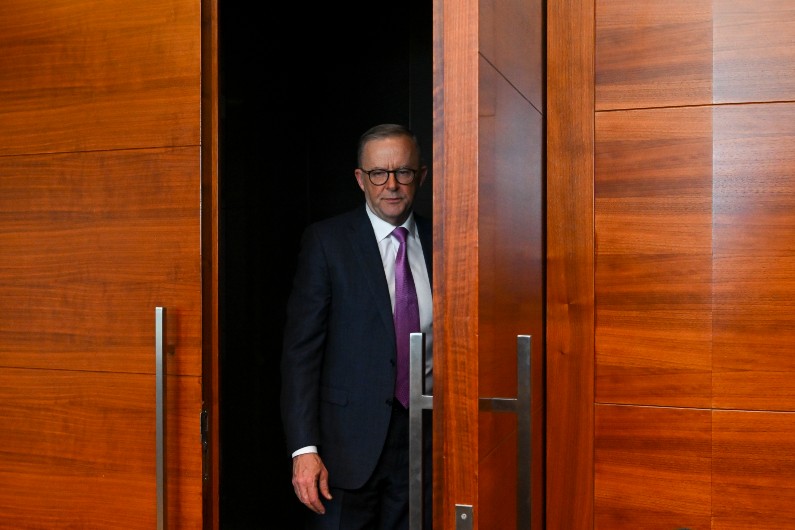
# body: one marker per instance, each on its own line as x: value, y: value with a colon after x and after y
x: 488, y: 282
x: 670, y: 327
x: 106, y: 213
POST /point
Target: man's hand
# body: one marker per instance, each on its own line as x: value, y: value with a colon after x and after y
x: 309, y: 476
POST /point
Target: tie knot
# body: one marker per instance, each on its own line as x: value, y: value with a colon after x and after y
x: 400, y: 234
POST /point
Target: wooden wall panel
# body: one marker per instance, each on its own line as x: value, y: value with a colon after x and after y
x: 570, y: 265
x: 101, y: 213
x: 511, y: 224
x: 652, y: 468
x: 499, y: 471
x: 511, y: 39
x: 497, y: 372
x: 753, y: 51
x: 91, y: 241
x: 753, y: 470
x: 754, y: 252
x: 488, y: 208
x: 694, y: 219
x: 653, y: 53
x: 82, y: 75
x: 511, y: 232
x: 692, y: 212
x: 653, y: 187
x: 455, y: 295
x: 84, y: 450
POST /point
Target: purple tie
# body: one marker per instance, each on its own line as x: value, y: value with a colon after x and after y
x: 407, y: 315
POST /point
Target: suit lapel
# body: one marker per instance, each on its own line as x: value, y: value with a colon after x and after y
x: 365, y: 250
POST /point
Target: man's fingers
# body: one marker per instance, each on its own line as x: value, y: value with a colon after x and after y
x: 309, y: 473
x: 323, y: 484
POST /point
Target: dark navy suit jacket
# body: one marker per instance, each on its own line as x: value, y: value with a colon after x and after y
x: 339, y: 355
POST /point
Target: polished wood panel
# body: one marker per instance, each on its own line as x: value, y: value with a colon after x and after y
x: 653, y: 202
x: 99, y: 240
x: 102, y: 211
x: 511, y: 279
x: 729, y: 227
x: 498, y: 471
x: 79, y: 450
x: 511, y: 40
x: 511, y: 231
x: 570, y: 265
x: 456, y: 267
x: 653, y: 54
x: 81, y: 75
x: 753, y: 52
x: 497, y: 378
x: 652, y: 468
x: 488, y: 213
x: 754, y: 247
x: 753, y: 470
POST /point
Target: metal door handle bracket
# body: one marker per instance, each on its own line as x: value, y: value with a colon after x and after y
x: 463, y: 517
x: 418, y: 401
x: 522, y: 407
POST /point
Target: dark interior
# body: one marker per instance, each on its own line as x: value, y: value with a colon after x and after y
x: 298, y: 87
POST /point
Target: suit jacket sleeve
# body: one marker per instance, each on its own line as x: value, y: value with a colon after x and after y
x: 304, y: 336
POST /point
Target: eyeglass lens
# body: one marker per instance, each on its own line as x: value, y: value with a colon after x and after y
x: 380, y: 176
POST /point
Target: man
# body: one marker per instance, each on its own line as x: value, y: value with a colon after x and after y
x: 347, y: 434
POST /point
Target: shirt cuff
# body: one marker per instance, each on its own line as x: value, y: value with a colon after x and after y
x: 304, y: 450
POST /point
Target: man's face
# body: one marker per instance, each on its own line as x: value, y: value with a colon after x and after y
x: 391, y: 201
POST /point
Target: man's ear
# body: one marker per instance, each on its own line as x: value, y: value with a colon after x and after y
x: 423, y: 173
x: 359, y: 174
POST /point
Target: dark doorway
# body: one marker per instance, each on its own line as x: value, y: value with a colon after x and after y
x: 298, y: 85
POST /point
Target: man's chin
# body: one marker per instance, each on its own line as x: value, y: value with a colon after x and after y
x: 394, y: 216
x: 396, y: 207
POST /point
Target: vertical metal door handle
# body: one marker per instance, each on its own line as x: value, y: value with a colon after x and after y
x: 522, y: 407
x: 160, y: 414
x: 418, y: 402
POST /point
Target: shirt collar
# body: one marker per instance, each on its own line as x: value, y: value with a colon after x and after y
x: 383, y: 229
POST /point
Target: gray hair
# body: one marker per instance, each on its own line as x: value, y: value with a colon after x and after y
x: 386, y: 130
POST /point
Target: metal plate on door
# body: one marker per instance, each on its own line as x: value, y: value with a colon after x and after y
x: 463, y: 517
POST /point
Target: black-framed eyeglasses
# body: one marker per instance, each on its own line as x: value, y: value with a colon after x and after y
x: 378, y: 176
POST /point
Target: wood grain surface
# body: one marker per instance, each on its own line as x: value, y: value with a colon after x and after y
x: 88, y: 75
x: 754, y: 257
x: 653, y: 202
x: 101, y: 215
x: 92, y: 235
x: 570, y: 265
x: 695, y: 264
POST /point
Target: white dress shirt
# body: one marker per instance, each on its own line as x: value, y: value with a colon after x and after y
x: 388, y: 246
